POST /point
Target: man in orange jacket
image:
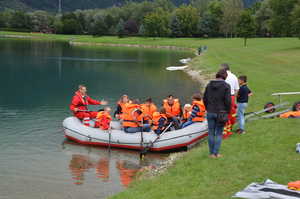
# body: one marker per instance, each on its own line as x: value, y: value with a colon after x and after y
x: 173, y: 109
x: 148, y: 108
x: 79, y: 104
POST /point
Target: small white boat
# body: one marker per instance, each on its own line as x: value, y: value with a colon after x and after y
x: 185, y: 61
x: 76, y: 131
x: 172, y: 68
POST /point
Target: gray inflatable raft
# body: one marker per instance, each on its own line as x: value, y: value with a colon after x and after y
x: 116, y: 137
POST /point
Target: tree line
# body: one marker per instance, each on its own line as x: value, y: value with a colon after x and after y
x: 161, y: 18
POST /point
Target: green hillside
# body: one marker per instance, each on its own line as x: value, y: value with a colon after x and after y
x: 70, y: 5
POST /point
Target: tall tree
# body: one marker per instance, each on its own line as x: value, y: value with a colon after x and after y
x: 120, y: 28
x: 175, y: 27
x: 41, y: 21
x: 296, y: 20
x: 188, y: 18
x: 280, y: 23
x: 246, y: 26
x: 262, y: 19
x: 165, y: 5
x: 20, y: 20
x: 70, y: 24
x: 2, y: 22
x: 156, y: 24
x: 210, y: 22
x: 100, y: 27
x: 231, y: 13
x: 201, y: 5
x: 131, y: 27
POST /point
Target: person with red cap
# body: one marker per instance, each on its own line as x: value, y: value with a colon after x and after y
x: 79, y: 105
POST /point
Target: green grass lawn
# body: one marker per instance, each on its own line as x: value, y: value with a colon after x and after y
x: 267, y: 150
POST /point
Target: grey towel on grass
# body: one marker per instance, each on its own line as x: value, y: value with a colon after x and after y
x: 267, y: 190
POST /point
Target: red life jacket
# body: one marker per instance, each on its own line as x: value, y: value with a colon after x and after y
x: 81, y: 102
x: 103, y: 120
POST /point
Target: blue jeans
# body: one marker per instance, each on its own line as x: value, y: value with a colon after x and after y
x: 241, y: 107
x: 145, y: 128
x: 215, y: 133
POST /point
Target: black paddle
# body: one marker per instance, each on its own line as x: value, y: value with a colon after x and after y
x: 142, y: 141
x: 146, y: 149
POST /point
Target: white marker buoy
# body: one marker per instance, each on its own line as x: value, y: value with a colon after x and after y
x: 172, y: 68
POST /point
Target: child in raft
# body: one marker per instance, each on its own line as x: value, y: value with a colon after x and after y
x: 103, y: 119
x: 242, y: 102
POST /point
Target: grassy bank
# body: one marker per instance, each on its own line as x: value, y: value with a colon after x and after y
x: 268, y: 148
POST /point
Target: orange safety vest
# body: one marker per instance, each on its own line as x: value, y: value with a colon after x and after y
x: 148, y: 110
x: 290, y: 114
x: 156, y: 118
x: 201, y: 114
x: 103, y: 120
x: 294, y: 185
x: 186, y: 115
x: 172, y: 111
x: 129, y: 119
x: 123, y: 107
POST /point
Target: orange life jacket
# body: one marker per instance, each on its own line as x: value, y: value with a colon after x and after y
x: 290, y: 114
x: 129, y: 117
x: 103, y: 120
x: 123, y: 108
x: 172, y: 111
x: 155, y: 120
x: 201, y: 114
x: 294, y: 185
x: 186, y: 115
x: 148, y: 110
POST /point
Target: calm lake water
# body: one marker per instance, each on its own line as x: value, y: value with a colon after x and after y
x: 37, y: 82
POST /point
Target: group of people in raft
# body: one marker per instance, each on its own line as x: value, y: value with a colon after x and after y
x: 136, y: 116
x: 225, y: 100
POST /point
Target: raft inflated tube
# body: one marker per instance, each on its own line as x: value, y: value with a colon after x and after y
x: 76, y: 131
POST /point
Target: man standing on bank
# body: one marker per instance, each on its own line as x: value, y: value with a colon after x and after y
x: 232, y: 80
x: 79, y: 104
x: 217, y: 101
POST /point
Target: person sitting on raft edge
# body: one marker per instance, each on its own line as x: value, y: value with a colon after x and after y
x: 173, y: 110
x: 133, y: 118
x: 79, y: 104
x: 198, y: 111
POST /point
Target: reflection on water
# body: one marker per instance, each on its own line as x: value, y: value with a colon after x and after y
x: 104, y: 163
x: 127, y: 171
